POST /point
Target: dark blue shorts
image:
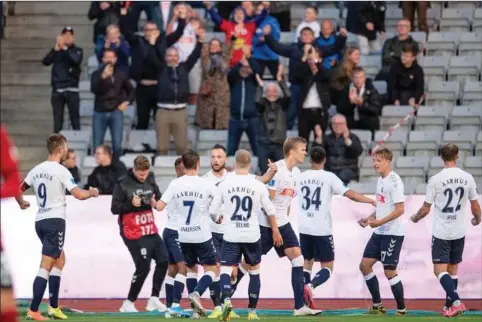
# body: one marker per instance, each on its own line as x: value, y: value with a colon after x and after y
x: 385, y: 248
x: 218, y: 244
x: 447, y: 251
x: 232, y: 252
x: 289, y: 239
x: 319, y: 248
x: 171, y: 239
x: 51, y: 233
x: 199, y: 253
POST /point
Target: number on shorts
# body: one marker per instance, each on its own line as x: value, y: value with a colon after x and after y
x: 311, y: 200
x: 42, y: 194
x: 246, y: 205
x: 449, y: 193
x: 190, y: 204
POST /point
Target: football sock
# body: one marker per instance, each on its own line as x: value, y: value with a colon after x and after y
x: 39, y: 286
x: 307, y: 275
x: 254, y: 288
x: 205, y: 281
x: 397, y: 290
x: 191, y: 282
x: 372, y: 283
x: 225, y: 283
x: 297, y: 281
x: 241, y: 273
x: 215, y: 291
x: 321, y: 277
x: 179, y: 283
x: 54, y: 286
x: 448, y: 302
x: 169, y: 290
x: 449, y: 287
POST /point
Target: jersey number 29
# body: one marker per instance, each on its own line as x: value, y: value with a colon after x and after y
x: 245, y: 204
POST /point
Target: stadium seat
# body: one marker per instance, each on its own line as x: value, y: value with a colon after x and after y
x: 365, y: 137
x: 329, y: 13
x: 412, y: 169
x: 473, y: 165
x: 423, y: 143
x: 82, y: 136
x: 434, y: 67
x: 287, y: 37
x: 442, y: 43
x: 464, y: 68
x: 88, y: 165
x: 466, y: 118
x: 470, y: 43
x: 420, y: 189
x: 164, y: 181
x: 164, y: 166
x: 92, y: 64
x: 371, y: 64
x: 462, y: 4
x: 392, y: 16
x: 139, y: 138
x: 381, y: 86
x: 456, y: 19
x: 392, y: 114
x: 431, y: 118
x: 396, y: 142
x: 437, y: 164
x: 367, y: 172
x: 443, y: 93
x: 464, y: 140
x: 108, y: 137
x: 191, y: 113
x: 409, y: 187
x: 208, y: 138
x: 367, y: 188
x: 420, y: 37
x: 477, y: 23
x: 478, y: 145
x: 254, y: 163
x: 472, y: 93
x: 212, y: 35
x: 129, y: 158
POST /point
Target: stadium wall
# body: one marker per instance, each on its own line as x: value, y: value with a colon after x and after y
x: 99, y: 265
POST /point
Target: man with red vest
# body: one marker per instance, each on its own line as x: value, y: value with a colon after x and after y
x: 134, y: 196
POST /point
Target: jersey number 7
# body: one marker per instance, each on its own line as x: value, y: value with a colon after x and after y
x: 190, y: 204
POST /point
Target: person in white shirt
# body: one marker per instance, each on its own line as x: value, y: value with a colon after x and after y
x: 243, y: 197
x: 315, y: 189
x: 386, y: 242
x: 449, y: 190
x: 50, y: 180
x: 309, y: 20
x: 192, y: 196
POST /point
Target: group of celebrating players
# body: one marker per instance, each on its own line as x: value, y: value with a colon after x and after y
x: 226, y: 220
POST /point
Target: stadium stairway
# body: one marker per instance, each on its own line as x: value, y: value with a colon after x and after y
x: 25, y: 82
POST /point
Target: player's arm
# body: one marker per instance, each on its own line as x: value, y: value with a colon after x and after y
x: 23, y: 187
x: 430, y: 195
x: 165, y: 199
x: 355, y: 196
x: 474, y: 203
x: 270, y: 211
x: 268, y: 176
x: 397, y: 212
x: 69, y: 183
x: 121, y: 202
x: 216, y: 203
x: 9, y: 167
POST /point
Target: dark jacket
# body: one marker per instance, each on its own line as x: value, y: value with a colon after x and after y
x: 173, y: 82
x: 123, y: 52
x: 338, y: 155
x: 66, y: 67
x: 294, y: 52
x: 362, y: 12
x: 260, y: 48
x: 368, y: 113
x: 305, y: 77
x: 402, y: 79
x: 112, y: 91
x: 392, y: 50
x: 243, y: 92
x: 322, y: 43
x: 103, y: 18
x: 105, y: 178
x: 141, y: 66
x: 273, y: 123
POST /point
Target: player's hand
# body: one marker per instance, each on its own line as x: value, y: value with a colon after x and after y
x: 363, y: 222
x: 374, y: 223
x: 414, y: 218
x: 24, y: 204
x: 370, y: 26
x: 153, y: 202
x: 136, y: 201
x: 272, y: 166
x: 343, y: 32
x: 123, y: 106
x: 220, y: 220
x: 475, y: 221
x: 94, y: 192
x: 277, y: 239
x: 374, y: 203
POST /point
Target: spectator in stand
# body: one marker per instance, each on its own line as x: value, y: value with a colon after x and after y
x: 272, y: 102
x: 134, y: 9
x: 248, y: 8
x: 314, y: 101
x: 186, y: 44
x: 214, y: 96
x: 114, y: 40
x: 360, y: 103
x: 146, y: 61
x: 104, y: 13
x: 309, y: 21
x: 392, y: 48
x: 421, y: 7
x: 238, y: 28
x: 225, y: 9
x: 280, y: 10
x: 66, y: 58
x: 406, y: 80
x: 294, y: 52
x: 326, y: 39
x: 343, y: 149
x: 2, y: 19
x: 71, y: 164
x: 342, y: 74
x: 173, y: 97
x: 265, y: 57
x: 365, y: 19
x: 244, y: 115
x: 107, y: 172
x: 113, y: 93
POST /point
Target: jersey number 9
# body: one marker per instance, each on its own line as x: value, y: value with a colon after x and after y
x: 42, y: 194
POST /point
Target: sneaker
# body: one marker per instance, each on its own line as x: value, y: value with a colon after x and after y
x: 177, y: 311
x: 56, y: 314
x: 154, y: 304
x: 455, y: 310
x: 304, y: 310
x: 377, y: 310
x: 402, y: 312
x: 216, y: 313
x: 195, y: 300
x: 36, y: 316
x: 233, y: 315
x: 252, y: 315
x: 168, y: 315
x: 227, y: 309
x: 308, y: 296
x: 128, y: 307
x: 195, y: 315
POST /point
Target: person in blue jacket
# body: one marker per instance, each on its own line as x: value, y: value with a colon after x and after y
x: 327, y: 39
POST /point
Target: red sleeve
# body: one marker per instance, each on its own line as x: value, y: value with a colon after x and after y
x: 250, y: 27
x: 228, y: 28
x: 8, y: 167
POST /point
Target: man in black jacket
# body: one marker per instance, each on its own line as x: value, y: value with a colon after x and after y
x: 147, y: 55
x: 107, y: 172
x: 366, y: 19
x: 133, y: 199
x: 113, y: 93
x: 360, y: 103
x: 342, y: 149
x: 173, y: 97
x: 66, y: 58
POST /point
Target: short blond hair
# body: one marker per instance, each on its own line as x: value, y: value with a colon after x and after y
x: 291, y: 143
x: 242, y: 158
x: 384, y: 153
x: 141, y: 163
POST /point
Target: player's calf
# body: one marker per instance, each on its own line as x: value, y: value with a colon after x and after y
x: 396, y: 286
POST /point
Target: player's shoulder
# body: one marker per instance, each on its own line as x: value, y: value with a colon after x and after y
x: 395, y: 180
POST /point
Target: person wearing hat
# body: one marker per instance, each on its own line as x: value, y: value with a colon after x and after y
x: 65, y: 59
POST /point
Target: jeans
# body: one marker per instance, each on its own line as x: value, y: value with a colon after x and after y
x: 235, y: 131
x: 272, y: 151
x: 115, y: 122
x: 292, y: 109
x: 346, y: 175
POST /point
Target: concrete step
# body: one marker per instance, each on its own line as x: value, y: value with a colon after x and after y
x: 31, y: 153
x: 38, y: 128
x: 27, y: 165
x: 52, y: 8
x: 34, y: 55
x: 19, y: 116
x: 47, y: 31
x: 25, y: 78
x: 26, y: 105
x: 26, y: 91
x: 28, y: 140
x: 51, y: 20
x: 24, y: 67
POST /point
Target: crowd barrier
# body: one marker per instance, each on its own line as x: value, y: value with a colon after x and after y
x: 99, y: 265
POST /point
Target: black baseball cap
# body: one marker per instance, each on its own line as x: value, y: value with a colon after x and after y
x: 68, y: 29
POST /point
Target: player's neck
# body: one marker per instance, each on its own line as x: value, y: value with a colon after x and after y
x: 242, y: 172
x: 317, y: 166
x: 54, y: 158
x: 450, y: 164
x: 219, y: 173
x: 290, y: 163
x: 190, y: 172
x: 384, y: 174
